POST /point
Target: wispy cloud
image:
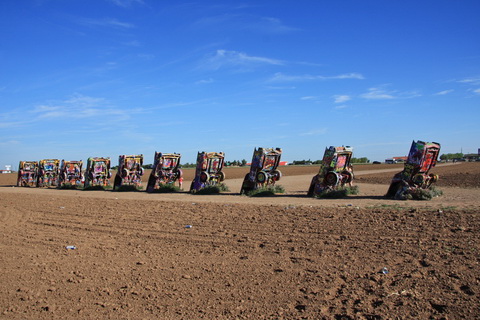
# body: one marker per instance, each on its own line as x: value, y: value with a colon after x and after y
x: 473, y: 81
x: 126, y: 3
x: 342, y: 106
x: 379, y: 93
x: 444, y: 92
x: 107, y: 22
x: 314, y: 132
x: 278, y: 77
x: 270, y: 25
x: 306, y: 98
x: 341, y: 98
x: 235, y: 59
x: 477, y: 91
x: 80, y: 106
x: 204, y: 81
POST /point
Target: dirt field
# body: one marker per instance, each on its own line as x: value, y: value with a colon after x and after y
x: 283, y: 257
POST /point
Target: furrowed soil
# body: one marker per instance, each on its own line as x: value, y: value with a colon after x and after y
x: 226, y: 256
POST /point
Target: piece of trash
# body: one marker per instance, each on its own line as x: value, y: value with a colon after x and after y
x: 349, y: 205
x: 70, y: 247
x: 384, y: 270
x: 188, y: 226
x: 440, y: 211
x: 62, y: 207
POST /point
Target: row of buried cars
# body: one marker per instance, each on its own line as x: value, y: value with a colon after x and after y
x: 335, y: 171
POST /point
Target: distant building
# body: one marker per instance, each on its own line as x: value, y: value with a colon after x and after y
x: 396, y: 160
x: 8, y: 169
x: 472, y: 157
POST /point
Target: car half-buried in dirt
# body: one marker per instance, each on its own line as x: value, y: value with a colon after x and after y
x: 414, y: 177
x: 97, y: 173
x: 335, y: 171
x: 48, y: 172
x: 129, y: 172
x: 70, y: 174
x: 208, y: 171
x: 263, y: 170
x: 165, y: 171
x: 27, y: 174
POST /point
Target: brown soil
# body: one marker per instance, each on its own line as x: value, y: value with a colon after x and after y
x: 283, y: 257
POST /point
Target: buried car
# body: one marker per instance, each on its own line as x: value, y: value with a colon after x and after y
x: 97, y: 174
x: 130, y: 172
x: 415, y: 175
x: 208, y: 171
x: 263, y: 170
x: 70, y: 173
x: 27, y: 174
x: 165, y: 171
x: 48, y: 172
x: 335, y: 171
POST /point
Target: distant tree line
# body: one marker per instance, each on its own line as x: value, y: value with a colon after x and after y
x: 451, y: 156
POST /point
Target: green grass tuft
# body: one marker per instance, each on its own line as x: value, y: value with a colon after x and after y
x: 268, y: 191
x: 215, y: 189
x: 339, y: 193
x: 167, y: 188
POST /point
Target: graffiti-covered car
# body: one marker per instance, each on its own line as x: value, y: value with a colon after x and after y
x: 129, y: 172
x: 335, y: 171
x: 263, y: 169
x: 27, y: 174
x: 165, y: 171
x: 48, y: 172
x: 97, y: 173
x: 208, y: 171
x: 70, y: 174
x: 415, y: 175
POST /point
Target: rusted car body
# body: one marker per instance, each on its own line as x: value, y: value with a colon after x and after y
x: 415, y: 175
x: 335, y: 171
x: 129, y: 172
x: 70, y: 174
x: 165, y: 171
x: 208, y: 171
x: 27, y: 174
x: 48, y: 172
x: 263, y: 169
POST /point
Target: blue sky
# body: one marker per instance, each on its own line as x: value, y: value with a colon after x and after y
x: 81, y: 78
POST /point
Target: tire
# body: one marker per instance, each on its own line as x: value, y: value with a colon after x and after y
x: 331, y: 179
x: 221, y: 176
x: 261, y: 177
x: 277, y: 175
x: 348, y: 176
x: 204, y: 176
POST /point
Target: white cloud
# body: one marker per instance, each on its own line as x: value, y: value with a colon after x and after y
x: 126, y: 3
x: 235, y: 59
x: 341, y: 98
x: 204, y: 81
x: 314, y: 132
x: 377, y: 94
x: 477, y: 91
x: 107, y: 22
x: 308, y: 98
x: 473, y: 81
x: 444, y: 92
x: 307, y: 77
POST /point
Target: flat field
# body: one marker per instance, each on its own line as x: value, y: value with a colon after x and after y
x: 282, y: 257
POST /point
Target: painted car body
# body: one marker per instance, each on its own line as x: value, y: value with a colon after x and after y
x: 208, y: 171
x: 165, y: 170
x: 335, y: 171
x: 71, y: 173
x: 97, y: 173
x: 27, y: 174
x: 263, y: 169
x: 48, y: 172
x: 129, y: 171
x: 415, y: 175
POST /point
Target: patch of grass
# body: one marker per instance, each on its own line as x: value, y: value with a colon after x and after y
x: 167, y: 188
x: 92, y: 188
x: 424, y: 194
x: 128, y: 188
x: 67, y: 186
x: 339, y: 193
x: 268, y: 191
x: 215, y: 189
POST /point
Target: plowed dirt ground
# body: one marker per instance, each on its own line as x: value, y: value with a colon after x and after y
x: 282, y: 257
